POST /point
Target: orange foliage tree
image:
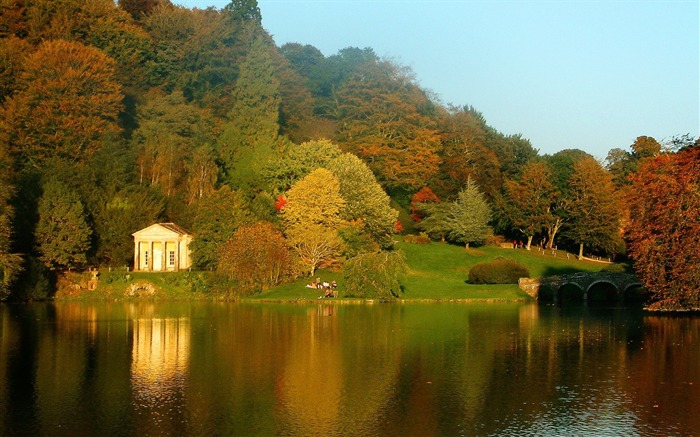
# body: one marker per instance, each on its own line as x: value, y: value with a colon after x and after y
x: 387, y: 121
x: 256, y: 257
x: 664, y: 228
x: 67, y: 107
x: 530, y: 199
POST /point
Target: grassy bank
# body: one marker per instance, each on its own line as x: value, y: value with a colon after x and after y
x: 437, y: 271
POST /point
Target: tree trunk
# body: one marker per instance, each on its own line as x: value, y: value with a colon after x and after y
x: 552, y: 232
x: 529, y: 241
x: 580, y: 251
x: 466, y: 245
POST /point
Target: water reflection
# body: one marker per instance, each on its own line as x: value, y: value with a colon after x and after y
x: 330, y: 369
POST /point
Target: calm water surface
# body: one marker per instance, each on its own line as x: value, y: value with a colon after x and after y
x: 220, y: 369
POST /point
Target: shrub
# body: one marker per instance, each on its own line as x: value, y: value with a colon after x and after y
x: 498, y: 271
x: 422, y: 238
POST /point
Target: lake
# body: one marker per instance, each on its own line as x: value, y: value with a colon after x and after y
x: 308, y: 369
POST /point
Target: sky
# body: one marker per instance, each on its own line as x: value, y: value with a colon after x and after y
x: 589, y: 75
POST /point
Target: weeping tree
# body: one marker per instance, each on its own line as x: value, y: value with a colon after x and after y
x: 375, y: 275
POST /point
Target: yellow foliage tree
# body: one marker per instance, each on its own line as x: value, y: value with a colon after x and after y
x: 311, y: 219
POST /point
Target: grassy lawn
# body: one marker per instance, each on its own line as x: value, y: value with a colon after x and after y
x: 439, y: 271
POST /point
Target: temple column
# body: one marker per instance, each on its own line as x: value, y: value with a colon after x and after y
x: 137, y: 252
x: 150, y: 254
x: 177, y: 255
x: 164, y: 258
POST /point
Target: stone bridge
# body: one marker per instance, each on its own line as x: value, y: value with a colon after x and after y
x: 584, y: 287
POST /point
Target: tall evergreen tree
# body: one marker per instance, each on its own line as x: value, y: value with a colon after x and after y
x: 218, y: 216
x: 251, y: 133
x: 468, y: 219
x: 62, y: 233
x: 244, y: 10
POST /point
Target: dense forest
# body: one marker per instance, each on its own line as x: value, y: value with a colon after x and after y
x: 117, y: 115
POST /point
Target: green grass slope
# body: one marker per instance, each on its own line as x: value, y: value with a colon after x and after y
x: 439, y: 271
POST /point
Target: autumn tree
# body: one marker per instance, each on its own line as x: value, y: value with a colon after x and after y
x: 562, y: 165
x: 465, y: 154
x: 468, y: 219
x: 96, y: 23
x: 594, y: 207
x: 13, y: 52
x: 664, y: 228
x: 365, y: 200
x: 388, y: 122
x: 10, y: 263
x: 645, y: 147
x: 529, y: 200
x: 622, y: 163
x: 67, y: 106
x: 218, y: 217
x: 423, y: 196
x: 311, y: 219
x: 251, y: 133
x: 256, y: 256
x: 138, y: 8
x: 62, y: 233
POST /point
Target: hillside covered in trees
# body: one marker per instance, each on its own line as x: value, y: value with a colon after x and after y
x: 116, y: 116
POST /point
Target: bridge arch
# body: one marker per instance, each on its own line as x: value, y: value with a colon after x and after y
x: 584, y: 286
x: 569, y: 292
x: 602, y: 291
x: 633, y: 292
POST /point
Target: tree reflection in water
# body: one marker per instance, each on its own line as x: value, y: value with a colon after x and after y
x: 332, y: 369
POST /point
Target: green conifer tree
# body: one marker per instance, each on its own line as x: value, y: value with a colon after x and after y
x: 468, y: 220
x: 62, y: 233
x: 252, y: 132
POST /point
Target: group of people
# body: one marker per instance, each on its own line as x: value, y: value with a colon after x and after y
x: 328, y: 287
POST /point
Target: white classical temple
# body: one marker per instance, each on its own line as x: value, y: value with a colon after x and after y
x: 162, y: 247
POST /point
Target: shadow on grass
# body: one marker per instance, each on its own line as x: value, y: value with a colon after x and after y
x: 560, y: 270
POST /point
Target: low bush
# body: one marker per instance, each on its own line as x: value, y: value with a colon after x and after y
x: 498, y: 271
x: 422, y: 238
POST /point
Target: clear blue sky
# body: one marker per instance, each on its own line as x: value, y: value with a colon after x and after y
x: 591, y: 75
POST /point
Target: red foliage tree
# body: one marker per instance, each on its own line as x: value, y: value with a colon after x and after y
x: 664, y: 228
x: 280, y: 202
x: 424, y: 195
